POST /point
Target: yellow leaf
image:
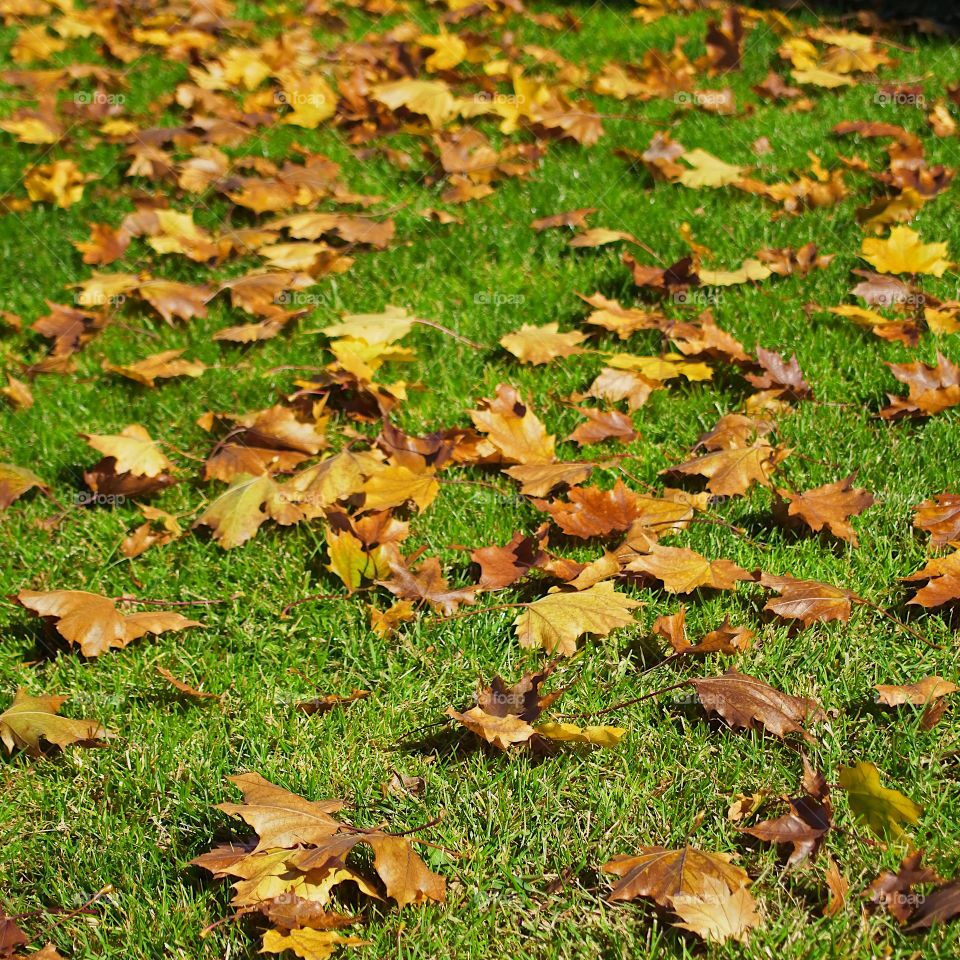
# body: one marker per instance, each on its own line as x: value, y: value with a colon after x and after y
x: 449, y: 50
x: 903, y: 252
x: 708, y: 170
x: 598, y: 736
x: 133, y: 449
x: 532, y: 344
x: 431, y: 98
x: 881, y: 809
x: 307, y: 943
x: 818, y: 77
x: 394, y: 485
x: 556, y: 621
x: 387, y: 327
x: 60, y: 183
x: 749, y: 270
x: 661, y: 368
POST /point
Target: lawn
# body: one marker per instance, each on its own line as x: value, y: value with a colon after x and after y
x: 520, y: 838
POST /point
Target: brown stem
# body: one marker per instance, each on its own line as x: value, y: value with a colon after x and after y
x: 903, y: 626
x: 320, y: 596
x: 451, y: 333
x: 627, y: 703
x: 178, y: 603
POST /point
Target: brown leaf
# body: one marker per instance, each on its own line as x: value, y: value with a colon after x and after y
x: 807, y: 600
x: 590, y: 512
x: 281, y: 818
x: 94, y: 623
x: 601, y: 425
x: 943, y: 586
x: 15, y: 482
x: 570, y: 218
x: 28, y: 720
x: 186, y: 688
x: 937, y: 907
x: 539, y: 479
x: 662, y: 874
x: 717, y: 914
x: 830, y: 507
x: 940, y: 517
x: 780, y: 374
x: 893, y: 892
x: 744, y: 701
x: 919, y: 694
x: 157, y: 366
x: 502, y: 566
x: 932, y: 389
x: 427, y: 584
x: 406, y: 877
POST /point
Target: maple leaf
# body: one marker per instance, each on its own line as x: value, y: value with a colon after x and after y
x: 513, y: 428
x: 663, y: 875
x: 733, y: 472
x: 943, y: 586
x: 538, y: 345
x: 941, y: 905
x: 28, y: 720
x: 807, y: 600
x: 880, y: 808
x: 308, y: 943
x: 538, y: 479
x: 556, y: 621
x: 15, y: 482
x: 830, y: 507
x: 168, y: 363
x: 431, y: 98
x: 919, y: 694
x: 894, y: 891
x: 237, y: 513
x: 623, y: 321
x: 805, y: 826
x: 502, y: 566
x: 427, y: 584
x: 93, y: 622
x: 707, y: 170
x: 743, y: 701
x: 903, y: 252
x: 932, y: 389
x: 281, y: 818
x: 392, y: 486
x: 133, y: 450
x: 590, y: 512
x: 779, y: 374
x: 716, y: 913
x: 940, y: 516
x: 681, y: 570
x: 603, y: 425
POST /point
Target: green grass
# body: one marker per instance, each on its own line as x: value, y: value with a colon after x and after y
x: 133, y: 814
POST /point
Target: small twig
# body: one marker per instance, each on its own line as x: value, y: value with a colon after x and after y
x: 627, y: 703
x: 320, y: 596
x: 179, y: 603
x: 452, y: 333
x: 903, y: 626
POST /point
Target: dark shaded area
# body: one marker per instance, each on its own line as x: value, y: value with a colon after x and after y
x: 922, y: 16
